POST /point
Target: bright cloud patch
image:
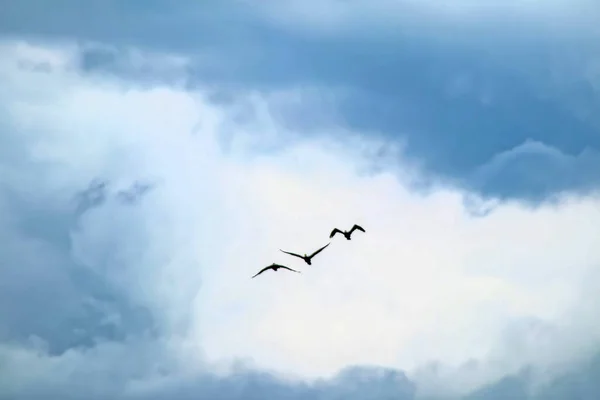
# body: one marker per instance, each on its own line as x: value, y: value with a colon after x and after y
x: 145, y: 294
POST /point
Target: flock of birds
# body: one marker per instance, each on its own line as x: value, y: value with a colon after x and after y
x: 308, y: 258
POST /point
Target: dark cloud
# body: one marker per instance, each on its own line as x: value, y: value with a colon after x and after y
x: 59, y: 301
x: 511, y: 387
x: 536, y: 172
x: 581, y: 383
x: 153, y: 376
x: 456, y: 103
x: 45, y: 291
x: 144, y: 371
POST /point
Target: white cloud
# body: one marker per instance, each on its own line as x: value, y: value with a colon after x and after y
x: 427, y: 281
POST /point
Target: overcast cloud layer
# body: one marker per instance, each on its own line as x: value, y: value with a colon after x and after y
x: 428, y: 75
x: 145, y: 177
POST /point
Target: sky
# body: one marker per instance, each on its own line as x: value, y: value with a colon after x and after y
x: 155, y: 155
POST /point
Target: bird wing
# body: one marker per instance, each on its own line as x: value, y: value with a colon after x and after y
x: 334, y: 231
x: 263, y: 270
x: 318, y: 251
x: 293, y: 270
x: 360, y: 228
x: 291, y: 254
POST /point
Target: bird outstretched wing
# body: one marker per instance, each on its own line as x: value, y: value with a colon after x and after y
x: 318, y: 251
x: 360, y: 228
x: 334, y: 231
x: 262, y: 270
x: 289, y: 269
x: 291, y: 254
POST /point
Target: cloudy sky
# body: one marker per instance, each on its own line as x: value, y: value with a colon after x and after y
x: 155, y: 155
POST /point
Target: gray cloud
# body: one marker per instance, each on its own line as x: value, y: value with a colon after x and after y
x: 81, y: 313
x: 537, y: 172
x: 456, y: 97
x: 59, y: 301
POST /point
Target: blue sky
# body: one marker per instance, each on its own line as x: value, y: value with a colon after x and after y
x: 154, y: 156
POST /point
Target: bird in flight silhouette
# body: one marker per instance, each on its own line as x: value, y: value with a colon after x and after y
x: 346, y: 234
x: 274, y: 267
x: 305, y: 257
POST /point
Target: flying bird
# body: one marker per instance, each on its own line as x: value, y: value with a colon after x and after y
x: 305, y: 257
x: 274, y: 267
x: 346, y: 234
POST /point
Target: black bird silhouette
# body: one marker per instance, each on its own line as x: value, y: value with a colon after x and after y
x: 306, y: 258
x: 274, y: 267
x: 346, y: 234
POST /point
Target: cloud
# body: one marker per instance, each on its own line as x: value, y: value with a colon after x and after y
x: 457, y: 84
x: 152, y: 298
x: 526, y: 170
x: 332, y: 17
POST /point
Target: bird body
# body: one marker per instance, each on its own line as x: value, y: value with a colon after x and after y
x: 274, y: 267
x: 307, y: 258
x: 347, y: 234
